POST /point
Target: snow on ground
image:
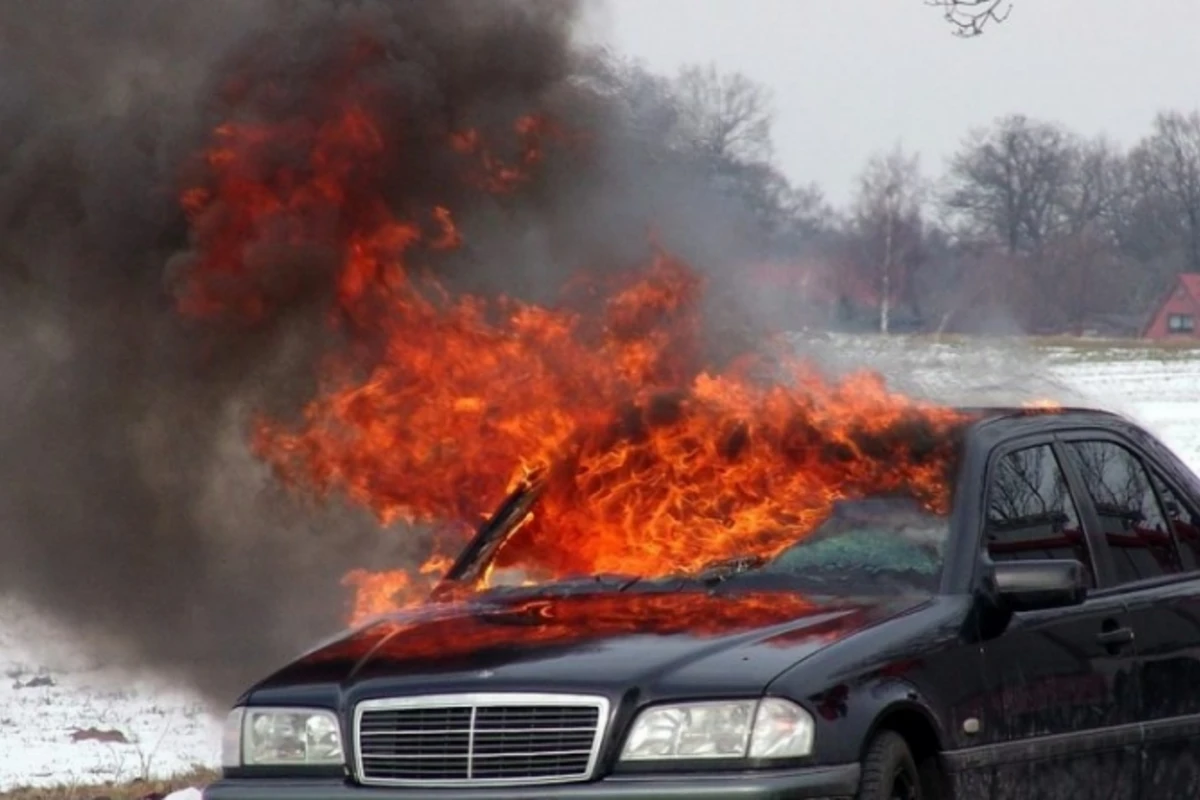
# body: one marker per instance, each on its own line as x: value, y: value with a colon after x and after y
x: 51, y: 694
x: 1164, y: 396
x: 66, y: 719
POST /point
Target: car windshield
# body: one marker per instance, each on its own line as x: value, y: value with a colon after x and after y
x: 873, y: 544
x: 863, y: 546
x: 881, y: 541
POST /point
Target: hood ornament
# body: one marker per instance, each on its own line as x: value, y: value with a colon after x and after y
x: 485, y: 673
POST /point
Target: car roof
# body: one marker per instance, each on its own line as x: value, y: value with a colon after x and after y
x: 992, y: 422
x: 994, y: 412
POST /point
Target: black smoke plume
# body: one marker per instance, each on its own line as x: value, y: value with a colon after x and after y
x: 129, y: 504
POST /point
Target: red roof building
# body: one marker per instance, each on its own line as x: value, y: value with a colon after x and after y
x: 1178, y: 315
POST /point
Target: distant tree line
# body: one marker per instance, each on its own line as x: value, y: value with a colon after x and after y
x: 1031, y: 227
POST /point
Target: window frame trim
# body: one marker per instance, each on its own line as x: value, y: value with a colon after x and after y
x: 1162, y: 476
x: 1101, y: 565
x: 1150, y: 467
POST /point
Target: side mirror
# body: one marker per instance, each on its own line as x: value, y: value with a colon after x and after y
x: 1037, y: 585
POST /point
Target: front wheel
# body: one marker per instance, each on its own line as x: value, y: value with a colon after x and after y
x: 889, y: 771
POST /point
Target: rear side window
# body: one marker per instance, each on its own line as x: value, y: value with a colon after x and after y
x: 1186, y: 524
x: 1132, y: 521
x: 1030, y: 512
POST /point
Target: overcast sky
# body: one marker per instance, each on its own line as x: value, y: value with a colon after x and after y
x: 851, y: 77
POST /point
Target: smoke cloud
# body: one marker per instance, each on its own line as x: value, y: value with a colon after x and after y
x: 130, y: 506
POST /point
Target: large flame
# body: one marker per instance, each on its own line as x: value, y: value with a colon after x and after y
x: 652, y: 464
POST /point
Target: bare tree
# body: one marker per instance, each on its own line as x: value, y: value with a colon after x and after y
x: 887, y: 220
x: 1080, y: 278
x: 646, y: 100
x: 1084, y: 272
x: 808, y: 214
x: 1098, y: 190
x: 725, y: 116
x: 1057, y: 205
x: 968, y: 18
x: 1166, y: 172
x: 1012, y: 184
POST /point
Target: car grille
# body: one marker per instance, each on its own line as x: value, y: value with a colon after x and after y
x: 479, y: 739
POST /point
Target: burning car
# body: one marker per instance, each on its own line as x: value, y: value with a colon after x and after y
x: 706, y: 569
x: 1032, y: 632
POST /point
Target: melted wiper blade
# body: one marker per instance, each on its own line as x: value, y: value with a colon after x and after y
x: 607, y: 581
x: 585, y: 584
x: 720, y: 571
x: 495, y: 530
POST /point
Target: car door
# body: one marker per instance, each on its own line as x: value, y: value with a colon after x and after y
x: 1150, y: 525
x: 1065, y: 676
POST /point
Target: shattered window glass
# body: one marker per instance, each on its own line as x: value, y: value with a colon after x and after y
x: 869, y: 539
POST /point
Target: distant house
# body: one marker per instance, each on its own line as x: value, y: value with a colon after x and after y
x: 1178, y: 315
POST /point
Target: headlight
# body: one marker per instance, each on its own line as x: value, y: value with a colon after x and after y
x: 256, y: 737
x: 768, y: 728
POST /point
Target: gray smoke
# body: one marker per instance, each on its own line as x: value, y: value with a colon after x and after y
x: 130, y: 506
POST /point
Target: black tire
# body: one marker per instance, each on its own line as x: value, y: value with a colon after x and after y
x: 889, y: 771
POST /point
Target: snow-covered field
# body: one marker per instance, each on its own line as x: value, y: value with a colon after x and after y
x: 65, y: 719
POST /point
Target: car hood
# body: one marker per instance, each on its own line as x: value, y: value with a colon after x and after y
x: 656, y: 643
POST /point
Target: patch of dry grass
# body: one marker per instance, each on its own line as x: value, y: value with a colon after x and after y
x: 130, y: 790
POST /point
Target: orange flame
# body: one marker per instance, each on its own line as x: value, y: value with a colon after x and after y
x: 654, y: 465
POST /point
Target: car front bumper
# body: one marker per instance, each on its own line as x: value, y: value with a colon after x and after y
x: 830, y: 783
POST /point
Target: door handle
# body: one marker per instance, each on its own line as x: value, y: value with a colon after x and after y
x: 1115, y: 637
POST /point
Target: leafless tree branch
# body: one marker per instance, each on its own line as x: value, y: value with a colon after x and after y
x: 970, y: 17
x: 725, y: 115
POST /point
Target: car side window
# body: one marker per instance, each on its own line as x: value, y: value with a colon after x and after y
x: 1132, y: 521
x: 1186, y: 523
x: 1030, y: 512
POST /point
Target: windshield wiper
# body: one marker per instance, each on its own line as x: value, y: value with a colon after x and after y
x: 603, y: 581
x: 721, y: 571
x: 492, y: 534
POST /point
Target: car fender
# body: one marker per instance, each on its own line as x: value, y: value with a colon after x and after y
x: 914, y: 670
x: 848, y: 717
x: 907, y: 713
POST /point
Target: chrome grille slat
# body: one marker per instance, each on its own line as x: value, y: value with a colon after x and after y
x: 479, y: 739
x: 431, y: 756
x: 471, y: 744
x: 588, y: 730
